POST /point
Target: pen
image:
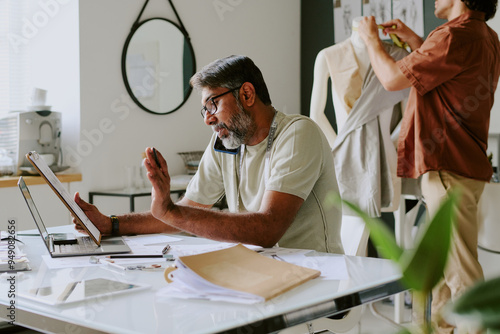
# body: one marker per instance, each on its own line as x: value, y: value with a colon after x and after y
x: 156, y: 157
x: 132, y: 256
x: 11, y: 238
x: 165, y: 249
x: 115, y: 266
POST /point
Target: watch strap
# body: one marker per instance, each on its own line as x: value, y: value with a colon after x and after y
x: 115, y: 225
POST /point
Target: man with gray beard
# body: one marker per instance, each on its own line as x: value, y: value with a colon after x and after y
x: 275, y: 170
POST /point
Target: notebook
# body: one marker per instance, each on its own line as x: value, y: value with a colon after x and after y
x: 235, y: 274
x: 61, y: 246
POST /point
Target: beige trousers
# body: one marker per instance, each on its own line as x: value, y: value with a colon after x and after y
x: 463, y: 268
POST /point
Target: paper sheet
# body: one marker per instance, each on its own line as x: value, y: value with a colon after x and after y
x: 185, y: 250
x: 344, y: 11
x: 138, y: 249
x: 151, y: 239
x: 332, y: 267
x: 10, y: 252
x: 84, y: 261
x: 67, y: 262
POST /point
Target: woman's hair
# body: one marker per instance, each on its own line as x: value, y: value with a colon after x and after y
x: 232, y: 72
x: 489, y: 7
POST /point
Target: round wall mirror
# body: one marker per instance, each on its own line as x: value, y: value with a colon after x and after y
x: 157, y: 63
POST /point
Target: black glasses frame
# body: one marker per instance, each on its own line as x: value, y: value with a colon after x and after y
x: 204, y: 110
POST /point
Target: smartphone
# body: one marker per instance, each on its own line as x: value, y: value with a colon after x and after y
x: 156, y: 158
x: 219, y: 147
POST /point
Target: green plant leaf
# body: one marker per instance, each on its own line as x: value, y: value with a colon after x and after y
x: 424, y: 266
x: 380, y: 234
x: 481, y: 303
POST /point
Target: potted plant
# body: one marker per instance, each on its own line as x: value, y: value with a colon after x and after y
x: 423, y: 266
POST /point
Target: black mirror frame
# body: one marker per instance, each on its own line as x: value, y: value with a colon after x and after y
x: 124, y: 70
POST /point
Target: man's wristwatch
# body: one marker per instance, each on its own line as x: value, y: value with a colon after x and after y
x: 115, y: 225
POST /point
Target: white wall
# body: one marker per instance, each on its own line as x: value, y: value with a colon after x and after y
x: 55, y: 60
x: 493, y: 143
x: 83, y: 76
x: 50, y: 30
x: 114, y: 132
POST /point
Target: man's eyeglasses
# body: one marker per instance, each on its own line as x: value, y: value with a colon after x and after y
x: 210, y: 106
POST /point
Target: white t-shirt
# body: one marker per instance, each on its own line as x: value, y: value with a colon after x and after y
x: 300, y: 164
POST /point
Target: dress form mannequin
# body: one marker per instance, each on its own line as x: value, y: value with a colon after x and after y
x: 320, y: 84
x: 359, y: 48
x: 344, y: 97
x: 325, y: 60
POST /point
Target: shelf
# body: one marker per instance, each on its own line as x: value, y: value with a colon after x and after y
x: 11, y: 181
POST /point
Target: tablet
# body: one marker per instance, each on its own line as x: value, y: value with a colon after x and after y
x: 80, y: 290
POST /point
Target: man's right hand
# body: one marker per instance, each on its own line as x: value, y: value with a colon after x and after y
x: 102, y: 222
x: 404, y: 33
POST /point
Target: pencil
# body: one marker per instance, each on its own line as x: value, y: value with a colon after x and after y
x: 132, y: 256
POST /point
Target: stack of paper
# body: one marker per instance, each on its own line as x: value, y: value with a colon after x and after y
x: 184, y: 250
x: 11, y: 257
x: 235, y: 274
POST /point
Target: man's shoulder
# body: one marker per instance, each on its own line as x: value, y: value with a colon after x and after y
x: 461, y: 39
x: 463, y: 30
x: 302, y: 128
x: 291, y: 118
x: 299, y: 121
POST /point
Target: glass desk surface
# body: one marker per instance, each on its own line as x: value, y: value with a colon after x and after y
x: 145, y: 312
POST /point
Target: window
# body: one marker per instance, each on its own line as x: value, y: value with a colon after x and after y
x: 14, y: 57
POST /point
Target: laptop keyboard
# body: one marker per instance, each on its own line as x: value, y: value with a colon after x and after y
x: 84, y: 245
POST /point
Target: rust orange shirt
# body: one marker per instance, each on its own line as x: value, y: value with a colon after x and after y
x: 454, y: 75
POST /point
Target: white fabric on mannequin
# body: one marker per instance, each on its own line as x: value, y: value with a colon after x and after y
x: 320, y: 84
x: 344, y: 99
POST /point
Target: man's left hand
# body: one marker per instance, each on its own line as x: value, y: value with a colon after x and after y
x: 101, y: 221
x: 368, y: 29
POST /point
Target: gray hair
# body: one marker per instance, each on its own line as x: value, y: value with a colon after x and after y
x: 232, y: 72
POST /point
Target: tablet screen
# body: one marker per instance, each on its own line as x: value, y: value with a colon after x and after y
x: 56, y: 185
x: 81, y: 290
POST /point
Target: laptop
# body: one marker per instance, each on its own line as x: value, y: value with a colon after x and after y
x: 63, y: 245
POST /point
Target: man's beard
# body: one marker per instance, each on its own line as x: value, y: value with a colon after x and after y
x: 239, y: 128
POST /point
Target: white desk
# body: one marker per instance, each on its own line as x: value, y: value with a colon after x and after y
x: 143, y: 312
